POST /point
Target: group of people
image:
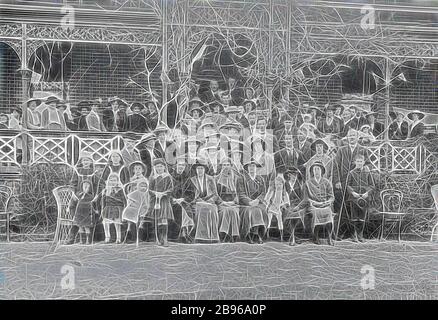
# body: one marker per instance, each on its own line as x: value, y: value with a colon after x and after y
x: 235, y: 172
x: 112, y: 115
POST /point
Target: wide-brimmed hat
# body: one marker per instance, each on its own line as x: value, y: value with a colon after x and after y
x: 229, y: 124
x: 85, y: 154
x: 37, y: 100
x: 199, y: 163
x: 196, y: 100
x: 420, y: 114
x: 318, y: 141
x: 137, y: 163
x: 365, y: 126
x: 245, y: 166
x: 207, y: 123
x: 84, y: 104
x: 159, y: 161
x: 253, y: 104
x: 52, y: 99
x: 196, y: 108
x: 216, y: 103
x: 317, y: 164
x: 18, y: 109
x: 136, y: 104
x: 233, y: 109
x: 4, y: 115
x: 314, y: 107
x: 193, y: 139
x: 61, y: 105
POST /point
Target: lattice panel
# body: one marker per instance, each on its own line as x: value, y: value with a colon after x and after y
x: 8, y: 147
x: 99, y: 148
x: 404, y: 159
x: 50, y: 149
x: 374, y: 157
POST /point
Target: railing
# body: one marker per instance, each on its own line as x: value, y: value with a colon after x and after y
x: 65, y: 148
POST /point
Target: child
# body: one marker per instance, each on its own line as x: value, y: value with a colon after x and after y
x: 83, y: 210
x: 276, y: 198
x: 137, y: 172
x: 160, y: 208
x: 138, y: 201
x: 113, y: 203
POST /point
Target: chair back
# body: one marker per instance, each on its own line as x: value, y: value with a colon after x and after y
x: 434, y: 192
x: 63, y: 196
x: 5, y: 197
x: 391, y: 200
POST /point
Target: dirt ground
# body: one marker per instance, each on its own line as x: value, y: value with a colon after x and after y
x: 406, y: 270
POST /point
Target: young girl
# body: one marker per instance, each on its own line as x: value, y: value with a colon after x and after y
x: 160, y: 208
x: 82, y: 206
x: 137, y: 172
x: 115, y: 165
x: 113, y: 203
x: 138, y: 202
x: 276, y: 199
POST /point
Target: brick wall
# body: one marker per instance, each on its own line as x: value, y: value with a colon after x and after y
x: 10, y: 80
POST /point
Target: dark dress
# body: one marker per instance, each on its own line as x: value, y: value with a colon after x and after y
x: 121, y: 121
x: 137, y: 123
x: 228, y: 214
x: 83, y: 208
x: 164, y: 184
x: 113, y: 205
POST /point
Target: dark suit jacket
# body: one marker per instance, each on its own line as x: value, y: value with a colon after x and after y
x: 396, y: 133
x: 417, y: 130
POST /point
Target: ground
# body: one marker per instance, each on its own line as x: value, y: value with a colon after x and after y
x: 406, y: 270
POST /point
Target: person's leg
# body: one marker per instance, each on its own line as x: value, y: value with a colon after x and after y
x: 293, y: 223
x: 72, y: 234
x: 360, y: 228
x: 329, y: 228
x: 118, y: 227
x: 81, y: 235
x: 165, y: 231
x: 316, y: 234
x: 87, y: 233
x: 106, y: 229
x: 260, y: 234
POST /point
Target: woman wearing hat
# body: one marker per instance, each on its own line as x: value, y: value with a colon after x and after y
x: 51, y: 117
x: 319, y: 194
x: 376, y: 127
x: 218, y: 116
x: 228, y: 202
x: 136, y: 121
x: 251, y: 189
x: 160, y: 207
x: 366, y: 136
x: 416, y: 128
x: 4, y: 121
x: 33, y: 116
x: 204, y: 204
x: 84, y: 107
x: 330, y: 124
x: 295, y: 210
x: 319, y: 151
x: 399, y: 128
x: 212, y: 154
x: 162, y: 148
x: 116, y: 165
x: 152, y: 116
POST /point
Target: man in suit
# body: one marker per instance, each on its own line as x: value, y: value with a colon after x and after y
x: 399, y: 128
x: 360, y: 185
x: 84, y: 108
x: 236, y: 93
x: 288, y: 156
x: 122, y: 116
x: 212, y: 94
x: 330, y: 124
x: 342, y: 166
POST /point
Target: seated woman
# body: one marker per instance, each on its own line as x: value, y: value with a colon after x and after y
x: 113, y: 202
x: 204, y: 204
x: 294, y: 211
x: 137, y: 206
x: 251, y: 189
x: 160, y: 207
x: 228, y: 202
x: 319, y: 194
x: 276, y: 199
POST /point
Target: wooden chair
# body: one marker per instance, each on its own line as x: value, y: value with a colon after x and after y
x: 63, y: 196
x: 5, y: 198
x: 434, y: 192
x: 391, y: 204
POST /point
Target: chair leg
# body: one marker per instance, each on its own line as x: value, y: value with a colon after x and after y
x: 382, y: 228
x: 399, y: 228
x: 56, y: 237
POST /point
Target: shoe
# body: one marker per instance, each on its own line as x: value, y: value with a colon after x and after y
x: 260, y: 241
x: 68, y: 241
x: 361, y: 239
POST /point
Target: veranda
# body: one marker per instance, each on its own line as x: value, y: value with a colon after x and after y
x: 298, y: 51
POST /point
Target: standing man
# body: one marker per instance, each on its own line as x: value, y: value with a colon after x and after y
x: 122, y: 116
x: 342, y: 166
x: 212, y: 94
x: 360, y: 185
x: 93, y: 120
x: 399, y: 128
x: 136, y: 121
x: 51, y: 117
x: 330, y: 124
x: 84, y: 108
x: 376, y: 127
